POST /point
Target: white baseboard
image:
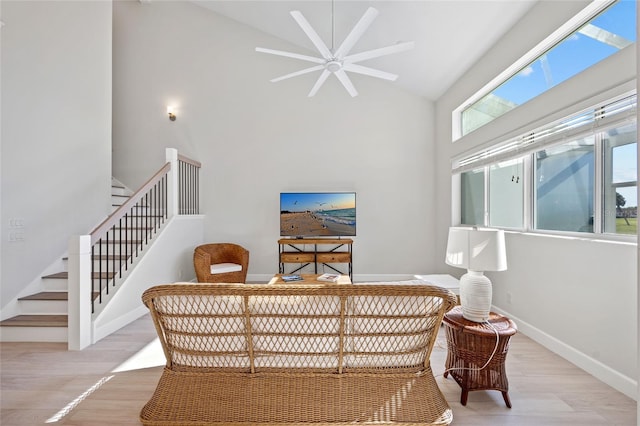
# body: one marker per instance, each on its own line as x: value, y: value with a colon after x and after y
x: 105, y: 330
x: 33, y: 334
x: 613, y: 378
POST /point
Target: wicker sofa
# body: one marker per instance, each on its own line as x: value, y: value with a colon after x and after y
x: 291, y: 354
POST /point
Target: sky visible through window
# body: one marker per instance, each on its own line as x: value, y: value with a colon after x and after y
x: 574, y: 54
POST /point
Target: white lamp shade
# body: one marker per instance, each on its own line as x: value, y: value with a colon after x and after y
x: 476, y: 249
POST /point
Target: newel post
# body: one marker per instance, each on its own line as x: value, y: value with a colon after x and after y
x: 80, y: 291
x: 172, y: 184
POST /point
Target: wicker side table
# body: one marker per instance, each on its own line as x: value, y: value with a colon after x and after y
x: 470, y: 345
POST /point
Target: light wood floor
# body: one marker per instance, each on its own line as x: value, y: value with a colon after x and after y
x: 108, y: 383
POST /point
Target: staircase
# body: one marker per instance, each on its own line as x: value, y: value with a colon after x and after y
x: 43, y: 315
x: 108, y: 267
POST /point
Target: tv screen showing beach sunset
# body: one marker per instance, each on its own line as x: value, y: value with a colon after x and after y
x: 317, y: 214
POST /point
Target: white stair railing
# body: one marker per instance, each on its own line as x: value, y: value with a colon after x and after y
x: 98, y: 261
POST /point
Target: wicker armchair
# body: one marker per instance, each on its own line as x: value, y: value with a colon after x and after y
x: 221, y: 263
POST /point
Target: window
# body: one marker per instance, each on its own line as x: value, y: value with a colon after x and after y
x: 620, y: 180
x: 577, y: 175
x: 506, y: 194
x: 605, y: 34
x: 564, y: 178
x: 472, y: 191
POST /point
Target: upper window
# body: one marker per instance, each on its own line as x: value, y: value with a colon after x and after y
x: 611, y: 30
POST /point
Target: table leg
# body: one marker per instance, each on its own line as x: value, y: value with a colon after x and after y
x: 507, y: 401
x: 463, y: 397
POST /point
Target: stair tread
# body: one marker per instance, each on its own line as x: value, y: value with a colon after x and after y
x: 107, y: 257
x: 36, y: 321
x: 133, y: 227
x: 47, y: 295
x: 61, y: 320
x: 125, y: 242
x: 65, y: 275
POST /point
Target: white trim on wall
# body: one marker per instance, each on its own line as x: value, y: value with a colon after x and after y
x: 601, y: 371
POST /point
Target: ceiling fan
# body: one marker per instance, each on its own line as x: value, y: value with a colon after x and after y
x: 339, y: 61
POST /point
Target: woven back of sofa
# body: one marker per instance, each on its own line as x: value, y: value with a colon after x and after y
x: 332, y: 328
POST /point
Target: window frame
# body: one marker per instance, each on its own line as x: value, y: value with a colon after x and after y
x: 530, y: 208
x: 582, y: 18
x: 488, y: 185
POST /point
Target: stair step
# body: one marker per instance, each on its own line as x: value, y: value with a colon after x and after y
x: 55, y: 285
x: 47, y: 295
x: 134, y: 228
x: 50, y: 295
x: 35, y: 321
x: 43, y: 317
x: 65, y: 275
x: 111, y: 257
x: 58, y: 276
x: 122, y: 242
x: 106, y: 257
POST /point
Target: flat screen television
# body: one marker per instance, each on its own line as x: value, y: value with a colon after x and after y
x: 317, y: 214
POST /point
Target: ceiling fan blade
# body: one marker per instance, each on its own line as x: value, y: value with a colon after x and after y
x: 370, y: 54
x: 291, y: 55
x: 311, y: 33
x: 346, y: 82
x: 370, y: 71
x: 356, y: 32
x: 323, y: 77
x: 297, y: 73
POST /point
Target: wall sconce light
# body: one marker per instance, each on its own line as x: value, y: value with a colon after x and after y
x: 172, y: 115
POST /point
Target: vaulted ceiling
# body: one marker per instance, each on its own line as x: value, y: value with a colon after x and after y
x: 449, y: 35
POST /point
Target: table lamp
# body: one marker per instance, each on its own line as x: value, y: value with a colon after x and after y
x: 477, y: 250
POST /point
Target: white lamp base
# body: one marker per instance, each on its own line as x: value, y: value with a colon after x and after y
x: 475, y: 296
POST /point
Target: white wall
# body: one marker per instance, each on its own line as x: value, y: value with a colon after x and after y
x: 56, y: 131
x: 577, y: 296
x: 256, y: 138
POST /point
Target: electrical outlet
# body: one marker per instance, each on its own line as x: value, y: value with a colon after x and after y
x: 16, y: 223
x: 15, y: 236
x: 509, y: 297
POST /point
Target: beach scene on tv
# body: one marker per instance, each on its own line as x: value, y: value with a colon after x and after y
x: 317, y: 214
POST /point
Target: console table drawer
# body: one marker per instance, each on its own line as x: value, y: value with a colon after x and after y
x: 334, y: 257
x: 297, y: 257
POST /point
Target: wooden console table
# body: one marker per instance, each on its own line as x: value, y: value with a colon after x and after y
x: 470, y: 345
x: 325, y: 251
